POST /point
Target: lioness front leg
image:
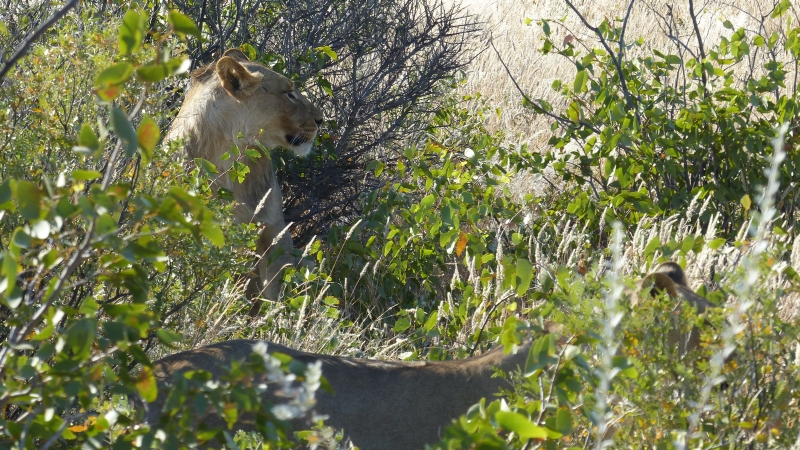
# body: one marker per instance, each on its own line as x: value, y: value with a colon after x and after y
x: 274, y: 256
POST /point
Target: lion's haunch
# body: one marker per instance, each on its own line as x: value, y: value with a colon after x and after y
x: 381, y: 405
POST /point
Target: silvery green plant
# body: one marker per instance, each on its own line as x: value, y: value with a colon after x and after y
x: 608, y: 348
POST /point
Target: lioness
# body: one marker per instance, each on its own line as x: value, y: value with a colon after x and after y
x: 381, y: 405
x: 669, y: 277
x: 237, y: 102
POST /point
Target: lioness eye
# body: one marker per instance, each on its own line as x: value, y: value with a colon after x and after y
x: 291, y: 96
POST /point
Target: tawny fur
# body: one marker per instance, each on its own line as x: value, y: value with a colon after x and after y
x: 381, y: 405
x: 236, y: 97
x: 669, y: 277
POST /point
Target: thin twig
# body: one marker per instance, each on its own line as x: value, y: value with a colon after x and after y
x: 622, y: 82
x: 699, y: 45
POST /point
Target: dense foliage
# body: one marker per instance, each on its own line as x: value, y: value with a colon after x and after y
x: 114, y: 253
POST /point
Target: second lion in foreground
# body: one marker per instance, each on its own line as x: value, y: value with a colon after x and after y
x: 381, y: 405
x: 237, y: 103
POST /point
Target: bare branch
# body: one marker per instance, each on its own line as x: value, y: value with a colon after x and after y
x: 699, y: 45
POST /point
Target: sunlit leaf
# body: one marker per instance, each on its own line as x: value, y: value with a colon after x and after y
x: 131, y: 32
x: 182, y: 24
x: 213, y: 232
x: 524, y: 276
x: 516, y: 422
x: 88, y: 138
x: 328, y: 51
x: 85, y: 175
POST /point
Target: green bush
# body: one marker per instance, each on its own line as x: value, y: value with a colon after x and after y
x: 649, y: 134
x: 83, y: 251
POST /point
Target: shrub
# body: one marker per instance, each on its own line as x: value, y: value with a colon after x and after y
x: 83, y: 250
x: 649, y: 134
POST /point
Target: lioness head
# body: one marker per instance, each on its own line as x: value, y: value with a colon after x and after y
x: 249, y: 103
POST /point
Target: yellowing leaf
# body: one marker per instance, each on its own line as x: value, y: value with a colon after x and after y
x: 148, y: 135
x: 108, y: 82
x: 461, y: 244
x: 78, y: 428
x: 146, y: 385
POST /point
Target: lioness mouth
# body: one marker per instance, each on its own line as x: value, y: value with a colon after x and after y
x: 297, y: 139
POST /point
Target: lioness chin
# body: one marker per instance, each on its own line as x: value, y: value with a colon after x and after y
x: 235, y: 102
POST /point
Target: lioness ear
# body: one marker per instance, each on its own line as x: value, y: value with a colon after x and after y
x: 236, y: 54
x: 236, y: 79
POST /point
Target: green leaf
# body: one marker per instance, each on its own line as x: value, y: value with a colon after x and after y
x: 516, y: 422
x: 9, y: 270
x: 781, y: 8
x: 580, y: 81
x: 672, y: 60
x: 325, y: 85
x: 29, y: 200
x: 80, y: 337
x: 87, y: 138
x: 168, y: 337
x: 107, y: 84
x: 427, y: 201
x: 84, y: 175
x: 206, y: 166
x: 652, y: 246
x: 182, y: 24
x: 124, y: 129
x: 3, y: 29
x: 131, y: 32
x: 146, y: 385
x: 148, y: 136
x: 5, y: 192
x: 401, y: 325
x: 328, y: 51
x: 524, y: 276
x: 157, y: 71
x: 716, y: 243
x: 574, y: 111
x: 564, y: 421
x: 213, y: 232
x: 746, y: 202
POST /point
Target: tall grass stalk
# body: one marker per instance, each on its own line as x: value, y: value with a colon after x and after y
x: 609, y: 347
